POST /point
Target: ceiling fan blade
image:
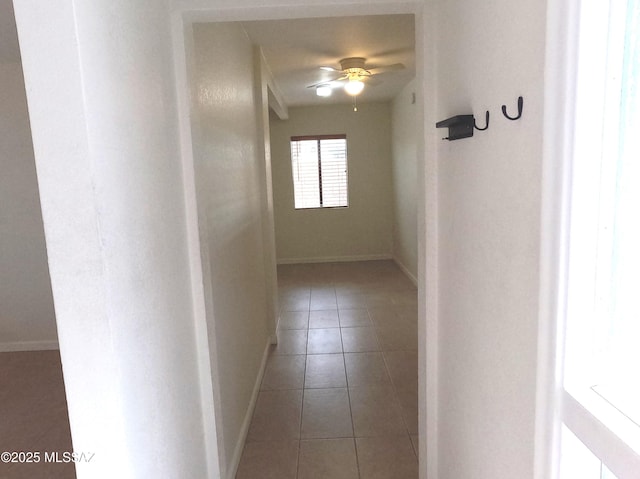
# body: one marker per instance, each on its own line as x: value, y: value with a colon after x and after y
x: 372, y: 81
x: 386, y: 68
x: 328, y: 82
x: 330, y: 69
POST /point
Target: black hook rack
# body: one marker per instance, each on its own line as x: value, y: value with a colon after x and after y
x: 462, y: 126
x: 504, y: 110
x: 486, y: 122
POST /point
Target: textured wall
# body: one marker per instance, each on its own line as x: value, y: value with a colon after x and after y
x: 230, y: 183
x: 101, y: 91
x: 488, y: 54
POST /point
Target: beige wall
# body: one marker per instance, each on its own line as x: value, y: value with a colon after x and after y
x: 27, y: 319
x: 230, y: 190
x: 364, y: 229
x: 404, y: 132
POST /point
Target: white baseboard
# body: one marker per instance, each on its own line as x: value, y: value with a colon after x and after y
x: 28, y: 346
x: 244, y: 430
x: 406, y: 271
x: 335, y: 259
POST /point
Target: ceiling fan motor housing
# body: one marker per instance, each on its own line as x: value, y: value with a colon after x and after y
x: 354, y: 67
x: 354, y: 62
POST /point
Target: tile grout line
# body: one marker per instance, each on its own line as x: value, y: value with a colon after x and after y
x: 304, y: 382
x: 346, y: 378
x: 394, y: 388
x: 396, y: 395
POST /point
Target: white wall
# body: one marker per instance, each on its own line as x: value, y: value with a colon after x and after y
x: 230, y: 188
x: 102, y: 102
x: 489, y: 53
x: 27, y: 319
x: 404, y: 142
x: 364, y: 229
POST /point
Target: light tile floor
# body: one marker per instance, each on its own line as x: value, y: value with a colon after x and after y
x: 339, y: 398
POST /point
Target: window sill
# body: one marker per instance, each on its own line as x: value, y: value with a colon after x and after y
x: 322, y: 208
x: 608, y: 433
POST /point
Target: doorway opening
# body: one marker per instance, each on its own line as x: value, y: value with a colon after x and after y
x: 185, y: 24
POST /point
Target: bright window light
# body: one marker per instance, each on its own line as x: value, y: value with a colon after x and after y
x: 323, y: 90
x: 602, y: 351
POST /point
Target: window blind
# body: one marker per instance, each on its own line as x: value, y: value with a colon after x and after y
x: 320, y: 171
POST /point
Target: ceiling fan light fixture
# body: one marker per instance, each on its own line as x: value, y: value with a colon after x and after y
x: 354, y: 87
x: 323, y: 90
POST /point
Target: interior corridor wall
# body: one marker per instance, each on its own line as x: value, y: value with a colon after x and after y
x: 488, y: 54
x: 404, y: 142
x: 27, y: 319
x: 229, y: 184
x: 364, y: 229
x: 101, y: 92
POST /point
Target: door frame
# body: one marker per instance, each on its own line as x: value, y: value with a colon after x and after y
x: 188, y: 12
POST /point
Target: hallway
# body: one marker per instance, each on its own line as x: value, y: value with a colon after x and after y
x: 339, y: 398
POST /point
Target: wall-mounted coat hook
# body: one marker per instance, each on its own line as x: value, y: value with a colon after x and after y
x: 504, y: 110
x: 486, y: 122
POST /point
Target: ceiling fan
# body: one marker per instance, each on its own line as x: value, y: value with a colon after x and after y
x: 352, y: 71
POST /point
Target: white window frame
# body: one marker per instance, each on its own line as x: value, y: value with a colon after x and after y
x: 573, y: 43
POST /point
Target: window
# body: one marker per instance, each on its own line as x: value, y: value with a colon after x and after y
x: 601, y: 410
x: 319, y: 169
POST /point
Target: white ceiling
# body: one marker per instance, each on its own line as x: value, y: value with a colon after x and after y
x: 295, y: 49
